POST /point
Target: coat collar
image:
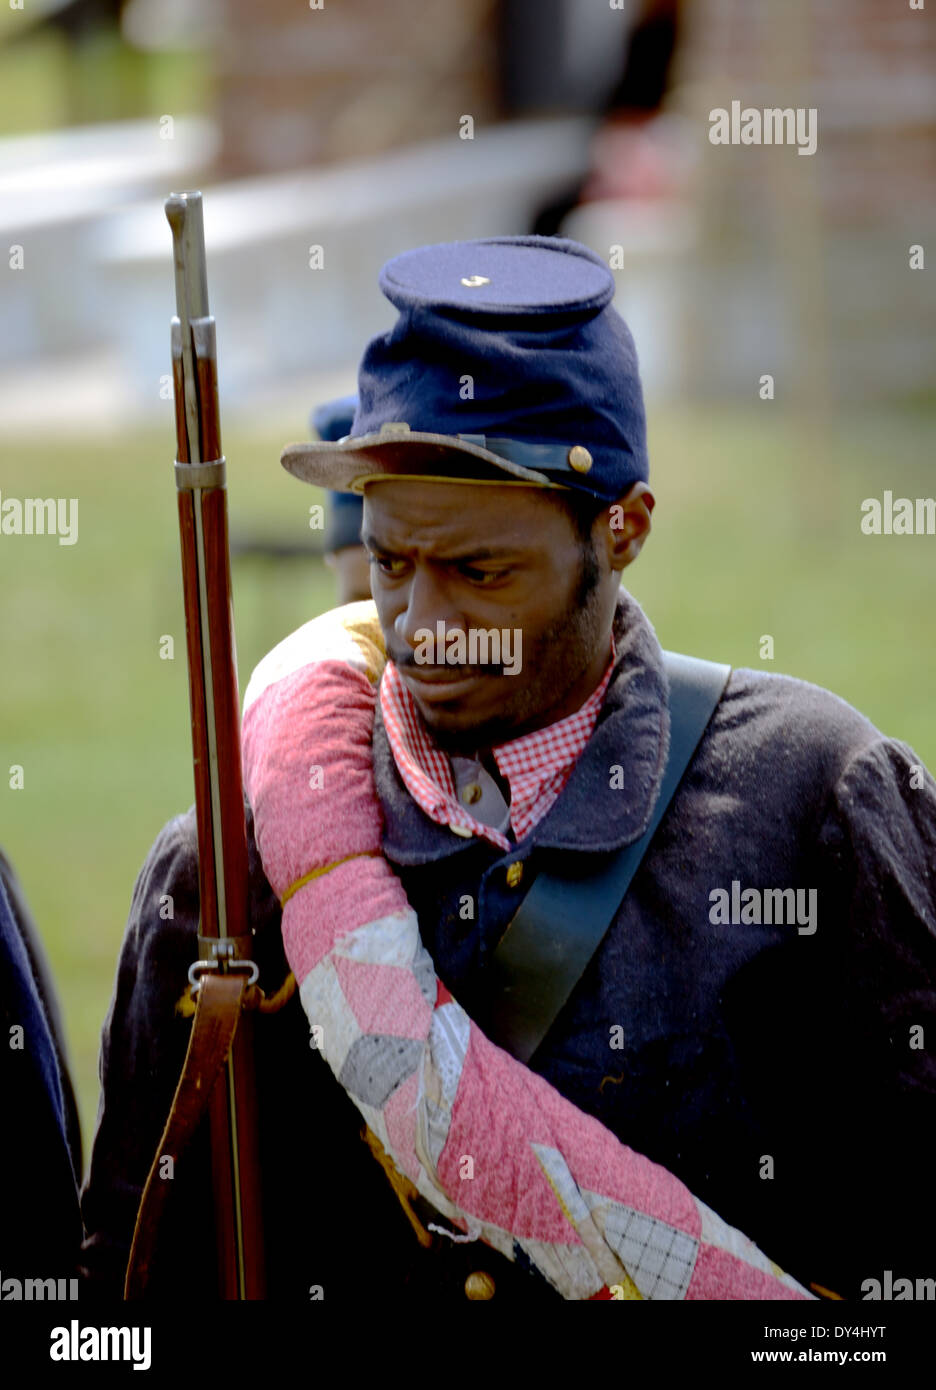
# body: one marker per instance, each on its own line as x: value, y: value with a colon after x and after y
x: 609, y: 798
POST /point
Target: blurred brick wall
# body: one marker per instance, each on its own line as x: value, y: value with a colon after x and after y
x: 299, y: 86
x: 831, y: 231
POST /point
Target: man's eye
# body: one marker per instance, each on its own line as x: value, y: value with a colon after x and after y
x: 483, y: 577
x: 389, y: 564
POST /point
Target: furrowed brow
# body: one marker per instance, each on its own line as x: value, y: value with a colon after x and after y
x: 466, y: 557
x: 377, y: 547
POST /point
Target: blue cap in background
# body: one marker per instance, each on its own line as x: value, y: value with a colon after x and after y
x: 332, y: 421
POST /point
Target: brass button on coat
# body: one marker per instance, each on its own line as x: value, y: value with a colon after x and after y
x: 514, y: 873
x: 479, y: 1285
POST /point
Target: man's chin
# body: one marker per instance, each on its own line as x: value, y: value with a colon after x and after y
x: 459, y: 727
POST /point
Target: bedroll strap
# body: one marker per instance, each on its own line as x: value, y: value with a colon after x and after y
x: 559, y: 925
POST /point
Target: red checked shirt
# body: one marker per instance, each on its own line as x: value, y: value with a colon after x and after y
x: 535, y: 766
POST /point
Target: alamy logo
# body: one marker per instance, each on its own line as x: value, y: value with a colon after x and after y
x: 770, y: 906
x: 894, y: 1290
x: 77, y: 1343
x: 38, y: 1290
x: 479, y: 646
x: 775, y: 125
x: 900, y: 516
x: 40, y: 516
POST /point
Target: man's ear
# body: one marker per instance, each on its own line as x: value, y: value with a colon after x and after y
x: 626, y: 525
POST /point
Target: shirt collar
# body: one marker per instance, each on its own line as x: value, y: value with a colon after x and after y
x: 536, y: 766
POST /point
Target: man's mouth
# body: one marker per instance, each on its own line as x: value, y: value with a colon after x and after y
x: 439, y: 682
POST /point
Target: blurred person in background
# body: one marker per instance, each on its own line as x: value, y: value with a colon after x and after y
x: 40, y: 1156
x: 344, y: 551
x: 631, y: 156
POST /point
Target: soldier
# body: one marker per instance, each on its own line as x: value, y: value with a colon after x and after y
x: 753, y: 1018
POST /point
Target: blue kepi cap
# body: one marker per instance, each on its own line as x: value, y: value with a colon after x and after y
x: 507, y: 362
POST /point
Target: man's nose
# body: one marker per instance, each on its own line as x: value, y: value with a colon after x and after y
x: 428, y: 602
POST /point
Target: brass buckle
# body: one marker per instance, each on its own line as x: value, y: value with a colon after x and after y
x: 228, y: 965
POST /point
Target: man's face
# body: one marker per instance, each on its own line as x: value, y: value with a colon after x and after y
x: 486, y: 558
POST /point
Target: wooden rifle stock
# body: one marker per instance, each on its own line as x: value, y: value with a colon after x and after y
x: 224, y: 930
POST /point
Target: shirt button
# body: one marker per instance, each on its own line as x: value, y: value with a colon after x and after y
x: 479, y: 1285
x: 514, y: 873
x: 471, y: 793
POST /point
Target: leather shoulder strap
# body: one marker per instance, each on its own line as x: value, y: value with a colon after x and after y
x: 220, y: 1000
x: 561, y: 921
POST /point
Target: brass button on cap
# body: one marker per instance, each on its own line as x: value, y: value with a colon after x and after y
x: 514, y: 873
x: 479, y: 1285
x: 471, y: 793
x: 580, y: 459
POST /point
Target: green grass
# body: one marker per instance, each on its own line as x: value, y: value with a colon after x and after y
x: 756, y: 532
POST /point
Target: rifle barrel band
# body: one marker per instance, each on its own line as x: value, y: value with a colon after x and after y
x: 200, y: 474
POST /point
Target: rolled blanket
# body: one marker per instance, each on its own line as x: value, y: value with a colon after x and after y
x: 491, y: 1145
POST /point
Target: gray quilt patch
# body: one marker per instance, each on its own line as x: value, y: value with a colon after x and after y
x: 377, y: 1064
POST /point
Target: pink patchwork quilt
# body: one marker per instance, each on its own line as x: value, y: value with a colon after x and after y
x: 496, y: 1149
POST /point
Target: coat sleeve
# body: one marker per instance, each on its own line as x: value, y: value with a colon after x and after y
x: 45, y: 986
x: 878, y: 843
x: 40, y: 1229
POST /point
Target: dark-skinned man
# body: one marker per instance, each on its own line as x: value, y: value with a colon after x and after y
x: 750, y: 1018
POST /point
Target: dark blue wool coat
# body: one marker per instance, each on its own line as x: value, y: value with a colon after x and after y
x: 778, y: 1072
x: 40, y: 1156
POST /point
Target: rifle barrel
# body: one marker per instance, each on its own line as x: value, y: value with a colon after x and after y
x: 224, y: 930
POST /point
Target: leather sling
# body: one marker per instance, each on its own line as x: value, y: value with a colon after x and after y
x: 220, y: 1000
x: 562, y: 920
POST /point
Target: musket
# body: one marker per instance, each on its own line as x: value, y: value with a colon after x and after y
x: 224, y: 969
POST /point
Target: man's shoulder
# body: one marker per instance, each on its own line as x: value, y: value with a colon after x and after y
x: 790, y: 752
x: 768, y: 715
